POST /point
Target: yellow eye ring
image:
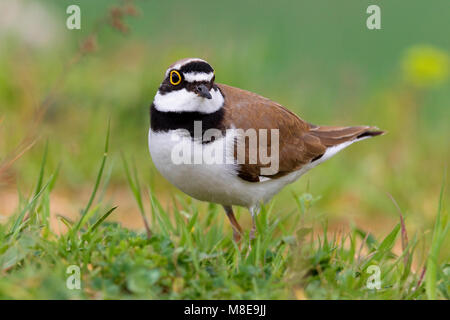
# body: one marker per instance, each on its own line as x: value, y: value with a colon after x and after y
x: 177, y: 75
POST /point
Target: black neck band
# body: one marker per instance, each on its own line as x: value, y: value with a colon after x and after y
x: 166, y: 121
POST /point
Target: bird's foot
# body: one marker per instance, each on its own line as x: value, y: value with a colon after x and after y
x: 252, y: 234
x: 249, y: 249
x: 251, y: 237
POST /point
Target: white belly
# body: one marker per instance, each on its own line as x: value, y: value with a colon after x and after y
x: 217, y: 183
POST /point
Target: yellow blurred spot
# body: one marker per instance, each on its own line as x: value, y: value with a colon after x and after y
x: 425, y: 66
x: 300, y: 294
x: 178, y: 285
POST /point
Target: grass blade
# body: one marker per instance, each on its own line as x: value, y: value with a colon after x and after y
x: 440, y: 231
x: 385, y: 246
x: 102, y: 218
x: 15, y: 227
x: 100, y: 172
x: 136, y: 190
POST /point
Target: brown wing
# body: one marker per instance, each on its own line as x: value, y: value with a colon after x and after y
x: 299, y: 142
x: 246, y: 110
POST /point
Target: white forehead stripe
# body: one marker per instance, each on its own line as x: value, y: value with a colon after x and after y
x: 179, y: 65
x: 198, y: 76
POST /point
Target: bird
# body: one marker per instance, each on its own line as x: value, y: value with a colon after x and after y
x: 233, y: 147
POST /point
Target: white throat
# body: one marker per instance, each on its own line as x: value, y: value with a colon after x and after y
x: 187, y: 101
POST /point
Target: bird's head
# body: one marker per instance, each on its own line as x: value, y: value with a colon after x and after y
x: 188, y: 86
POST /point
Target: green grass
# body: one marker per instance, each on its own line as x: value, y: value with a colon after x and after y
x: 185, y: 254
x: 315, y: 57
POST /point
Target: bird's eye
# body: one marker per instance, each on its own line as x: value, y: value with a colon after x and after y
x: 175, y: 77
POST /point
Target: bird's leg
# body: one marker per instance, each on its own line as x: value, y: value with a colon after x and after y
x: 254, y: 211
x: 237, y: 230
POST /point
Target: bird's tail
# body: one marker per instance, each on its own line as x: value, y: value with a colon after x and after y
x: 338, y: 138
x: 332, y: 136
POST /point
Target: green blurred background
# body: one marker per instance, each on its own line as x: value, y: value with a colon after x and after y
x: 317, y: 58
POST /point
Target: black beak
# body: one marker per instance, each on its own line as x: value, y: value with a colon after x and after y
x: 203, y: 91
